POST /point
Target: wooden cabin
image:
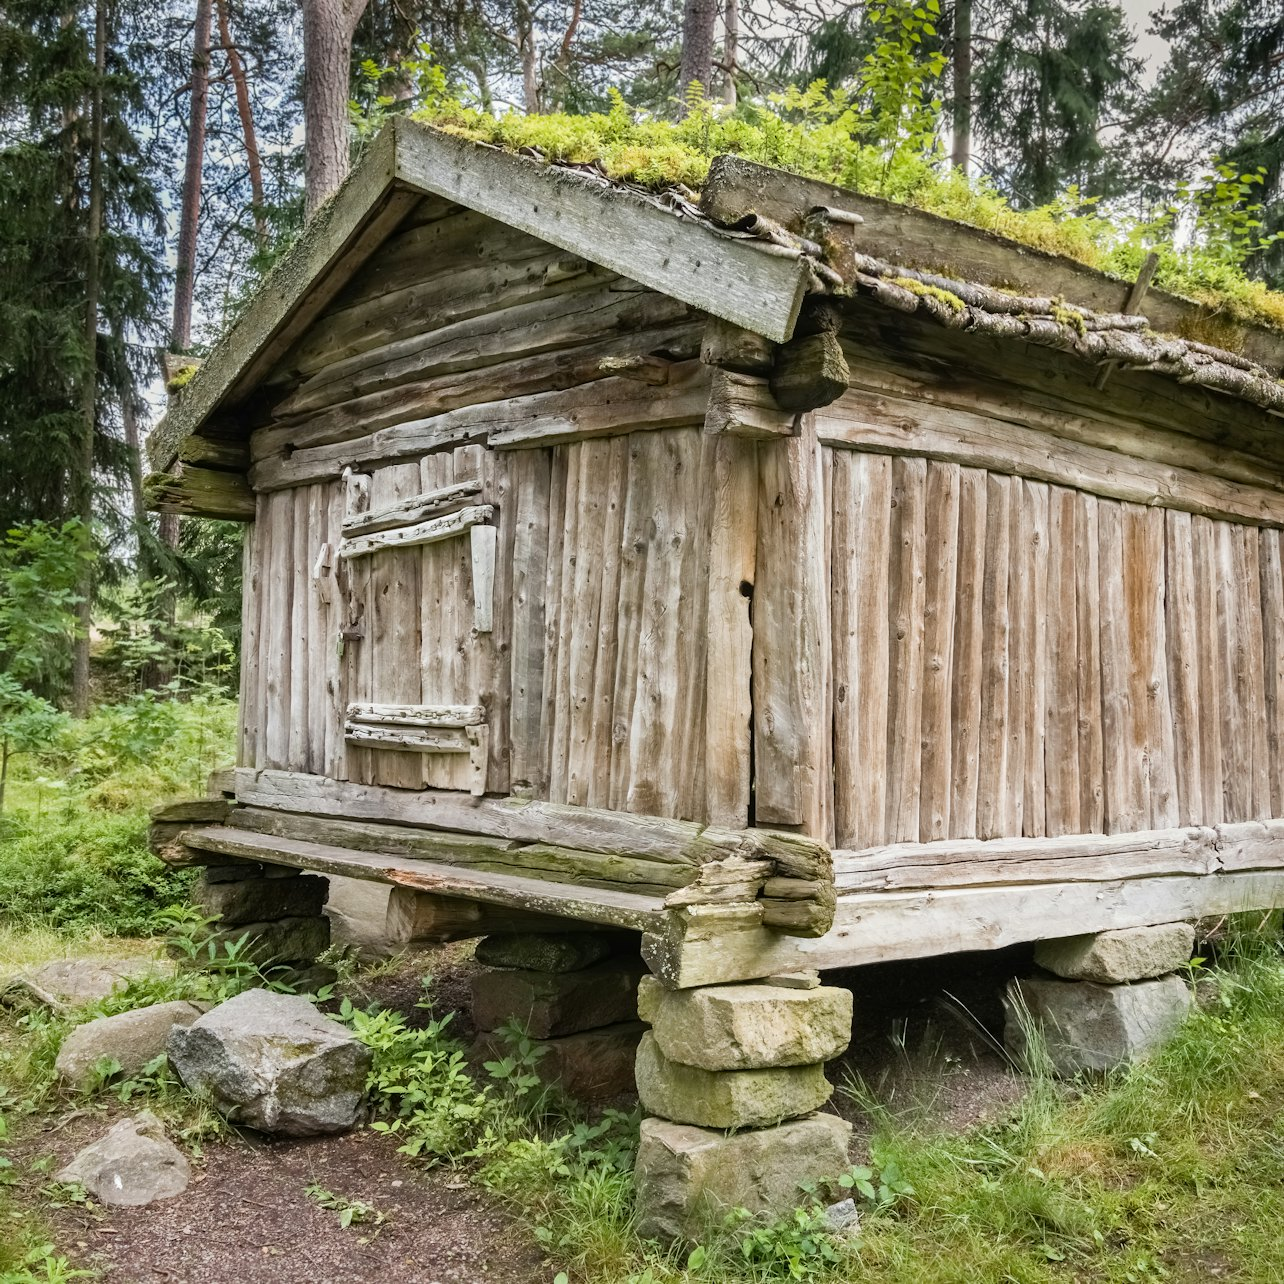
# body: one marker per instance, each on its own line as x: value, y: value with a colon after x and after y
x: 795, y: 578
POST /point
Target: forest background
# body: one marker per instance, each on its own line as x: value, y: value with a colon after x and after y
x: 156, y: 159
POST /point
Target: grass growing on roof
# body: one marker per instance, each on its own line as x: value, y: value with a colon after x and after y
x: 825, y: 135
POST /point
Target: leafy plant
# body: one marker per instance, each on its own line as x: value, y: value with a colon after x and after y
x: 351, y: 1212
x: 797, y: 1247
x: 880, y: 1187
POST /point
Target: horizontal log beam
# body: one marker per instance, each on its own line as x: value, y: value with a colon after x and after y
x: 418, y: 508
x: 193, y: 491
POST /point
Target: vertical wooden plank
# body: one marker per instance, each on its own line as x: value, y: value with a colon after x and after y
x: 940, y: 586
x: 1248, y: 614
x: 692, y: 655
x: 1034, y: 501
x: 1183, y: 681
x: 1127, y: 807
x: 994, y: 817
x: 333, y: 641
x: 582, y: 607
x: 658, y: 726
x: 729, y: 632
x: 562, y: 709
x: 316, y: 625
x: 1208, y: 658
x: 905, y: 653
x: 357, y: 667
x: 298, y: 569
x: 532, y: 486
x: 793, y: 736
x: 1020, y: 652
x: 1236, y: 737
x: 278, y: 606
x: 494, y: 648
x: 1061, y: 691
x: 614, y: 483
x: 249, y: 715
x: 641, y: 489
x: 396, y: 643
x: 968, y: 667
x: 862, y: 533
x: 1092, y: 799
x: 1271, y: 566
x: 1144, y: 563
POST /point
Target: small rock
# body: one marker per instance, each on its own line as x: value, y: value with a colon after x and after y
x: 273, y: 1062
x: 555, y: 1003
x: 131, y: 1038
x: 807, y: 979
x: 547, y: 951
x: 727, y: 1098
x: 73, y: 983
x: 843, y: 1218
x: 133, y: 1164
x: 1111, y: 958
x: 1094, y: 1027
x: 749, y: 1027
x: 689, y: 1178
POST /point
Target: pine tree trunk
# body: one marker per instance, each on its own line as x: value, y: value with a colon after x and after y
x: 731, y: 50
x: 253, y: 160
x: 327, y: 52
x: 529, y: 56
x: 961, y: 156
x: 189, y: 217
x: 699, y: 17
x: 89, y: 387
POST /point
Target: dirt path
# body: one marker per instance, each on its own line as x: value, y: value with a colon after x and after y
x: 246, y: 1217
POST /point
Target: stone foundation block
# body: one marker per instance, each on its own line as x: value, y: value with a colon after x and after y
x: 257, y: 900
x: 1095, y: 1027
x: 286, y: 940
x: 748, y: 1027
x: 690, y: 1178
x: 1132, y: 954
x: 594, y: 1065
x: 551, y: 1003
x: 550, y: 951
x: 726, y: 1098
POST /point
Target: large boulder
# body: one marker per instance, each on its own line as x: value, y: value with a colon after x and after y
x: 1086, y: 1026
x: 131, y: 1039
x: 133, y: 1164
x: 689, y: 1178
x: 725, y: 1098
x: 747, y: 1027
x: 273, y: 1062
x: 73, y: 983
x: 1110, y: 958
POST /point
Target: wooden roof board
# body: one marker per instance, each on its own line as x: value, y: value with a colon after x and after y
x: 750, y: 283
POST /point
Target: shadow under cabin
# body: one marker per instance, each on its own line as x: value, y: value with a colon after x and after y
x: 693, y: 598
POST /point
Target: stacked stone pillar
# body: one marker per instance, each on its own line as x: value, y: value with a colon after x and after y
x: 278, y: 910
x: 575, y: 994
x: 732, y: 1077
x: 1104, y: 999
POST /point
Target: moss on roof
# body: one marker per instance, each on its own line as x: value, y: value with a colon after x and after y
x: 661, y: 154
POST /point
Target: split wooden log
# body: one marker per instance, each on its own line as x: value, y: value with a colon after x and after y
x: 742, y: 405
x: 425, y: 918
x: 732, y: 348
x: 193, y: 491
x: 170, y: 820
x: 429, y: 532
x: 810, y: 372
x: 418, y: 508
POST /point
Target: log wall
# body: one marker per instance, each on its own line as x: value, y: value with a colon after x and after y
x: 1018, y: 658
x: 466, y: 352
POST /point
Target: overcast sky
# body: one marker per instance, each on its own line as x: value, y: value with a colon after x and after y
x: 1149, y: 47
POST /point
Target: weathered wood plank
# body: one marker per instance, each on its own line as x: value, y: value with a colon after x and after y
x: 792, y: 648
x: 193, y: 491
x: 994, y: 814
x: 939, y: 601
x: 862, y: 538
x: 1034, y: 504
x: 278, y: 584
x: 729, y: 634
x: 416, y: 508
x: 742, y: 405
x: 902, y: 426
x: 1208, y: 648
x: 969, y: 643
x: 1183, y: 682
x: 531, y: 486
x: 1088, y: 639
x: 1272, y: 592
x: 429, y: 532
x: 726, y: 277
x: 599, y: 905
x: 1061, y: 698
